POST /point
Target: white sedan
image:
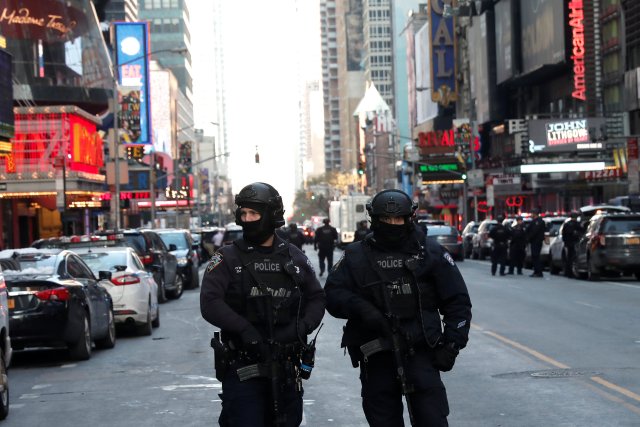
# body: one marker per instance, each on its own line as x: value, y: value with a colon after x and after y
x: 133, y: 290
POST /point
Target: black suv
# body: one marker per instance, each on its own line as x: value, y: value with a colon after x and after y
x: 611, y: 244
x: 158, y: 259
x: 185, y: 252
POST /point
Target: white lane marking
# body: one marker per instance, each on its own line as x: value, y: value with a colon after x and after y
x: 175, y: 387
x: 70, y: 365
x: 29, y: 396
x: 586, y: 304
x: 624, y: 285
x: 17, y: 405
x: 40, y: 386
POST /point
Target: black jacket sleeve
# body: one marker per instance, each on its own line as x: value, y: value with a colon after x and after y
x: 453, y: 296
x: 314, y: 300
x: 217, y: 277
x: 343, y: 299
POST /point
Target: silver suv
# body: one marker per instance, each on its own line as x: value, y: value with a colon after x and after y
x: 481, y: 242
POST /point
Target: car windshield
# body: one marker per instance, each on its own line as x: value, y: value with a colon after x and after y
x: 104, y: 261
x: 178, y: 239
x: 553, y: 227
x: 622, y: 225
x: 37, y: 263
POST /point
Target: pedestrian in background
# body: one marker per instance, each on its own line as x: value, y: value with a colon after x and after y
x: 392, y: 287
x: 362, y: 231
x: 535, y: 235
x: 325, y: 242
x: 295, y: 236
x: 571, y: 233
x: 265, y: 297
x: 500, y: 236
x: 517, y: 246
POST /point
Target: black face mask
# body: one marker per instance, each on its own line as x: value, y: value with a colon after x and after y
x: 391, y: 235
x: 255, y: 232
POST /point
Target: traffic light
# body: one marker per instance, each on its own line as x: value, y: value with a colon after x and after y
x: 135, y: 152
x: 361, y: 167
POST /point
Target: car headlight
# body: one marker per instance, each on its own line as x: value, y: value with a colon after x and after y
x: 182, y: 261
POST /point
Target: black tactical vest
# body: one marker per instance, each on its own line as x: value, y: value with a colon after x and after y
x: 268, y: 279
x: 401, y: 288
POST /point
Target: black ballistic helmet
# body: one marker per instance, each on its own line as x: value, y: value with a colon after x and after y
x: 262, y: 195
x: 500, y: 218
x: 391, y: 203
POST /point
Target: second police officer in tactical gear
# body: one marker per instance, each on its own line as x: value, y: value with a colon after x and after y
x: 362, y: 231
x: 263, y: 294
x: 392, y: 287
x: 571, y: 232
x: 535, y: 234
x: 517, y: 246
x: 500, y: 236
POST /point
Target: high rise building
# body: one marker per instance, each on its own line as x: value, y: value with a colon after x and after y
x: 170, y: 29
x: 378, y: 47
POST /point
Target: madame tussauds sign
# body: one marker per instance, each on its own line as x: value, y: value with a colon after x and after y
x: 23, y: 16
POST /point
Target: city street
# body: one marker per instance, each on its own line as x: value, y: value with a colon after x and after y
x: 542, y: 352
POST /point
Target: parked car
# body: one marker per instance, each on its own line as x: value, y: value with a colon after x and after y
x: 55, y: 300
x: 6, y: 352
x: 133, y: 290
x: 611, y: 244
x: 470, y: 230
x: 185, y: 252
x: 481, y: 243
x: 449, y: 237
x: 157, y: 259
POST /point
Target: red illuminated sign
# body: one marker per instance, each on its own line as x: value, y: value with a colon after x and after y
x: 515, y: 201
x: 436, y: 142
x: 576, y: 22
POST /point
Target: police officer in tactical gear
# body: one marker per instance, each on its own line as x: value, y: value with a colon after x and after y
x: 571, y: 233
x: 325, y: 242
x: 392, y: 287
x: 362, y: 231
x: 535, y: 234
x: 264, y: 296
x: 517, y: 246
x: 500, y: 235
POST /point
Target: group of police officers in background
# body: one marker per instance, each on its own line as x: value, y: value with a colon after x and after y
x: 406, y: 306
x: 511, y: 242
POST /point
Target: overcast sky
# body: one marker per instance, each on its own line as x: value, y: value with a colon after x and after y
x: 271, y: 49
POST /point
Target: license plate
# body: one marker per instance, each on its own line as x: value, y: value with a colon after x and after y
x: 633, y: 240
x: 11, y: 303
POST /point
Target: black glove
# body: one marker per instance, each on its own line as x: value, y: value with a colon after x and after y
x: 251, y: 339
x: 290, y: 333
x: 445, y: 356
x: 371, y: 317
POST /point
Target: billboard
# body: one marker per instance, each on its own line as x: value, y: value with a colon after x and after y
x: 6, y: 96
x: 505, y: 41
x: 161, y: 107
x: 426, y: 109
x: 543, y: 33
x: 442, y: 38
x: 565, y: 135
x: 132, y: 59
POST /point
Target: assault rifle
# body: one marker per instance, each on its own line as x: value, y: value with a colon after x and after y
x: 378, y: 344
x: 270, y: 367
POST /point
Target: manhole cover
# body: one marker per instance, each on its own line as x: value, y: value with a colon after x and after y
x: 562, y: 373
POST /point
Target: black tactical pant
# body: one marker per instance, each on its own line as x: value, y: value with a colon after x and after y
x: 568, y: 259
x: 248, y: 403
x: 498, y: 256
x: 536, y: 248
x: 382, y: 399
x: 516, y: 255
x: 328, y: 254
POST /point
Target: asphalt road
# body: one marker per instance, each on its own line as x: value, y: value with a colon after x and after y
x: 542, y: 352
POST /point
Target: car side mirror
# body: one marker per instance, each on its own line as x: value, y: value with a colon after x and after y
x: 172, y: 247
x: 104, y: 275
